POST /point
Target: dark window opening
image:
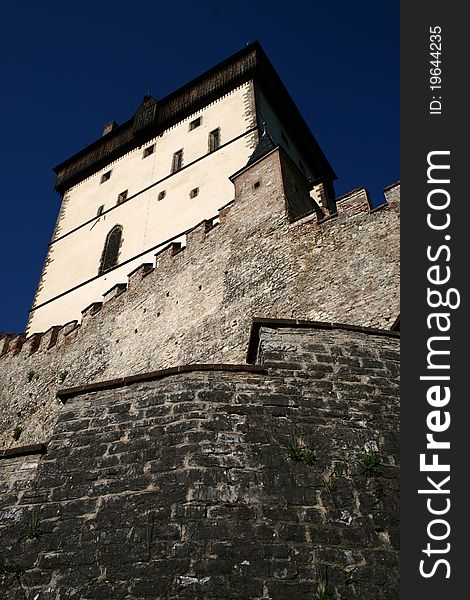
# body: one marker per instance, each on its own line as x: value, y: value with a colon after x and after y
x: 122, y: 197
x: 161, y: 195
x: 109, y: 258
x: 194, y: 123
x: 193, y: 193
x: 148, y: 151
x: 214, y: 140
x: 105, y: 176
x: 100, y: 210
x: 177, y: 163
x: 256, y: 184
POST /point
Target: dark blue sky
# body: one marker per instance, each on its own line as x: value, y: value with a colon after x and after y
x: 68, y: 68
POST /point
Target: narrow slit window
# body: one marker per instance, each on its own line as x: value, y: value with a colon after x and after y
x: 148, y: 151
x: 100, y: 210
x: 122, y: 197
x: 177, y: 162
x: 194, y: 192
x: 109, y: 257
x: 194, y: 124
x: 214, y: 140
x: 105, y: 176
x: 161, y: 195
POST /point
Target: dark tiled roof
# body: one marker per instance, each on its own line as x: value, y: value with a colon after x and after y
x: 264, y: 146
x: 154, y: 116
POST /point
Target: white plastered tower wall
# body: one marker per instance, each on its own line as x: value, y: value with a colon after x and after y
x: 244, y: 99
x: 76, y: 248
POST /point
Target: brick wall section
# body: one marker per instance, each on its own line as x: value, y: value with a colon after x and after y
x: 188, y: 487
x: 197, y: 305
x: 16, y: 474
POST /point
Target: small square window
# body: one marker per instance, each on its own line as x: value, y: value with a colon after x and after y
x: 193, y: 193
x: 99, y: 212
x: 195, y: 123
x: 122, y: 197
x: 161, y: 195
x: 177, y: 163
x: 214, y: 140
x: 256, y: 184
x: 105, y: 176
x: 148, y: 151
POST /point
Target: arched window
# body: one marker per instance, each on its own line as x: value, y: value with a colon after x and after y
x: 109, y: 258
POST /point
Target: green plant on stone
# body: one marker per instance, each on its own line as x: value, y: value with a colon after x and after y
x: 62, y: 376
x: 33, y: 530
x: 339, y: 470
x: 295, y: 453
x: 299, y: 454
x: 368, y: 463
x: 308, y: 456
x: 17, y: 433
x: 321, y: 593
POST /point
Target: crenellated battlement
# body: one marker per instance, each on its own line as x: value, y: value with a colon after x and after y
x: 357, y: 201
x: 211, y: 356
x: 194, y: 302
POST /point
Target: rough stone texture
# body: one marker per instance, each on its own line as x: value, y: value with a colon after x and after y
x: 197, y: 305
x: 16, y: 474
x: 210, y: 485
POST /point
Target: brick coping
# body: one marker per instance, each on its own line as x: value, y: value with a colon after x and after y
x: 23, y: 451
x: 67, y: 393
x: 259, y: 322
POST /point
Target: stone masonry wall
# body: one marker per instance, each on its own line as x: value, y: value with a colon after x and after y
x: 197, y: 305
x: 17, y: 471
x: 267, y: 482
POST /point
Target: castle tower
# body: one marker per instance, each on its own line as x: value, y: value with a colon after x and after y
x: 223, y: 420
x: 145, y: 183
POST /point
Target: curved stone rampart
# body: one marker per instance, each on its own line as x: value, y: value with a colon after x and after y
x: 196, y: 304
x: 269, y: 482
